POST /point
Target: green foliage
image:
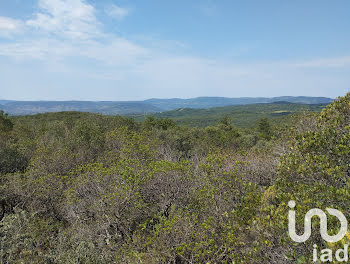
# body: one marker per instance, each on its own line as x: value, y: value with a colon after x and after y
x: 264, y: 128
x: 6, y: 124
x: 315, y: 173
x: 86, y: 188
x: 163, y: 124
x: 11, y: 159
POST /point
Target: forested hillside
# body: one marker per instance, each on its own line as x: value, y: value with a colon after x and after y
x: 241, y: 116
x: 88, y: 188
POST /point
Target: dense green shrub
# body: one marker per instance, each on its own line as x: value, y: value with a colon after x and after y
x: 85, y: 188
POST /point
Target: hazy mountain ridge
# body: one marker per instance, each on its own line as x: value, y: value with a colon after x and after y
x: 147, y: 106
x: 110, y: 108
x: 3, y: 102
x: 209, y: 102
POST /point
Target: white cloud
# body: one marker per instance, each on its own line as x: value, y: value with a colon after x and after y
x: 9, y: 26
x: 116, y: 52
x: 66, y: 29
x: 7, y: 23
x: 117, y: 12
x: 66, y: 18
x: 44, y: 49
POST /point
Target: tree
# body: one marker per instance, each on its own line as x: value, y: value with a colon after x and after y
x: 265, y: 129
x: 6, y: 124
x: 163, y: 123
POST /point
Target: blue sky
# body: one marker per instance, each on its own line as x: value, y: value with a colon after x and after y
x: 137, y: 49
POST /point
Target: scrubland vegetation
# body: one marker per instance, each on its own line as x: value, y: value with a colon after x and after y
x: 86, y: 188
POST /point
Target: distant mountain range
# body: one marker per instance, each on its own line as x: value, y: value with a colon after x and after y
x: 209, y: 102
x: 108, y: 108
x: 146, y: 106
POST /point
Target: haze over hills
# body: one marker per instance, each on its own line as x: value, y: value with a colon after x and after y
x: 5, y: 101
x: 146, y: 106
x: 108, y: 108
x: 209, y: 102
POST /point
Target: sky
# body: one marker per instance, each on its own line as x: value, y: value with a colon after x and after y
x: 136, y: 49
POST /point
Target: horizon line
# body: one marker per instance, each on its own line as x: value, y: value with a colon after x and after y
x: 168, y: 98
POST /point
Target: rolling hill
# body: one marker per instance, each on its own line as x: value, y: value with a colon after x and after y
x: 209, y: 102
x: 146, y: 106
x: 242, y: 115
x: 108, y: 108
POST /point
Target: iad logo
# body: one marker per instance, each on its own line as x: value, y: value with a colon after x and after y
x: 323, y: 224
x: 326, y: 255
